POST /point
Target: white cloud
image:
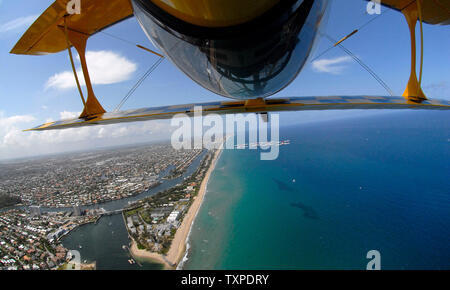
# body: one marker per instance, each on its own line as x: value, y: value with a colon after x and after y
x: 16, y: 143
x: 64, y: 80
x: 69, y: 115
x: 332, y: 66
x: 17, y: 23
x: 8, y: 127
x: 105, y: 67
x: 8, y: 122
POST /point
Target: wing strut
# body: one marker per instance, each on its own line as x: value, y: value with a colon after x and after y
x: 69, y: 49
x: 413, y: 91
x: 78, y: 40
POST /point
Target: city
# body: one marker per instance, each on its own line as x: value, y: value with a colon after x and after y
x: 91, y: 177
x: 153, y: 222
x: 47, y: 198
x: 30, y: 240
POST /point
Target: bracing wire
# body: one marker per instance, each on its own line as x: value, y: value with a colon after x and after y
x: 351, y: 34
x: 131, y: 43
x: 144, y: 77
x: 369, y: 70
x: 69, y: 48
x: 117, y: 38
x: 361, y: 63
x: 138, y: 83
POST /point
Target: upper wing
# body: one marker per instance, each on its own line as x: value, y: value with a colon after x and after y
x: 46, y: 35
x: 433, y: 11
x: 270, y: 105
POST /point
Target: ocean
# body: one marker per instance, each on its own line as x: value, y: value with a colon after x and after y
x: 341, y: 189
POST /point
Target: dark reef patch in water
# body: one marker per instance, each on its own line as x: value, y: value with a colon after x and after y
x: 308, y: 212
x: 283, y: 185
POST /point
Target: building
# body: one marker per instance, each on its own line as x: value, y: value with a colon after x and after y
x: 173, y: 216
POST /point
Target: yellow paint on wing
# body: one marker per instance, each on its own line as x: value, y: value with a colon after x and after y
x: 45, y: 35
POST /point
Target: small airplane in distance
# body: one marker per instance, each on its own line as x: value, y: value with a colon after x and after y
x: 240, y: 49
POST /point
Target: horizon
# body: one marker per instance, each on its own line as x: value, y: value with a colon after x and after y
x: 49, y: 95
x: 364, y: 115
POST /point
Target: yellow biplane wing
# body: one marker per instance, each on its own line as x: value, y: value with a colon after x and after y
x: 433, y: 11
x: 55, y: 31
x: 252, y: 106
x: 46, y: 35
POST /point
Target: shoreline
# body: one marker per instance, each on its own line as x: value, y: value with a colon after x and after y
x: 178, y: 247
x: 147, y: 255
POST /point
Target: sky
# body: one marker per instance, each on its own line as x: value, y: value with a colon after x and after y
x: 37, y: 89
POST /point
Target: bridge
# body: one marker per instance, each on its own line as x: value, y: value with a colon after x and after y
x: 113, y: 212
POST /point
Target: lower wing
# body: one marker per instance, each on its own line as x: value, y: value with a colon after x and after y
x: 268, y: 105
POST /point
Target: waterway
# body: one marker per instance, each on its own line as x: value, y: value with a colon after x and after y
x: 104, y: 241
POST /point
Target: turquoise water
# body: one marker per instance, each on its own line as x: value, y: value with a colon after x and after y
x: 379, y: 183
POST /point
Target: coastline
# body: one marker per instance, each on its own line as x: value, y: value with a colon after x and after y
x: 147, y: 255
x: 178, y: 247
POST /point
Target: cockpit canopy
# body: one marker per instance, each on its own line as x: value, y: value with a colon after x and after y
x: 254, y: 59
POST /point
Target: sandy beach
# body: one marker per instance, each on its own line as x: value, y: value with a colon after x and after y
x: 147, y: 255
x: 178, y: 246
